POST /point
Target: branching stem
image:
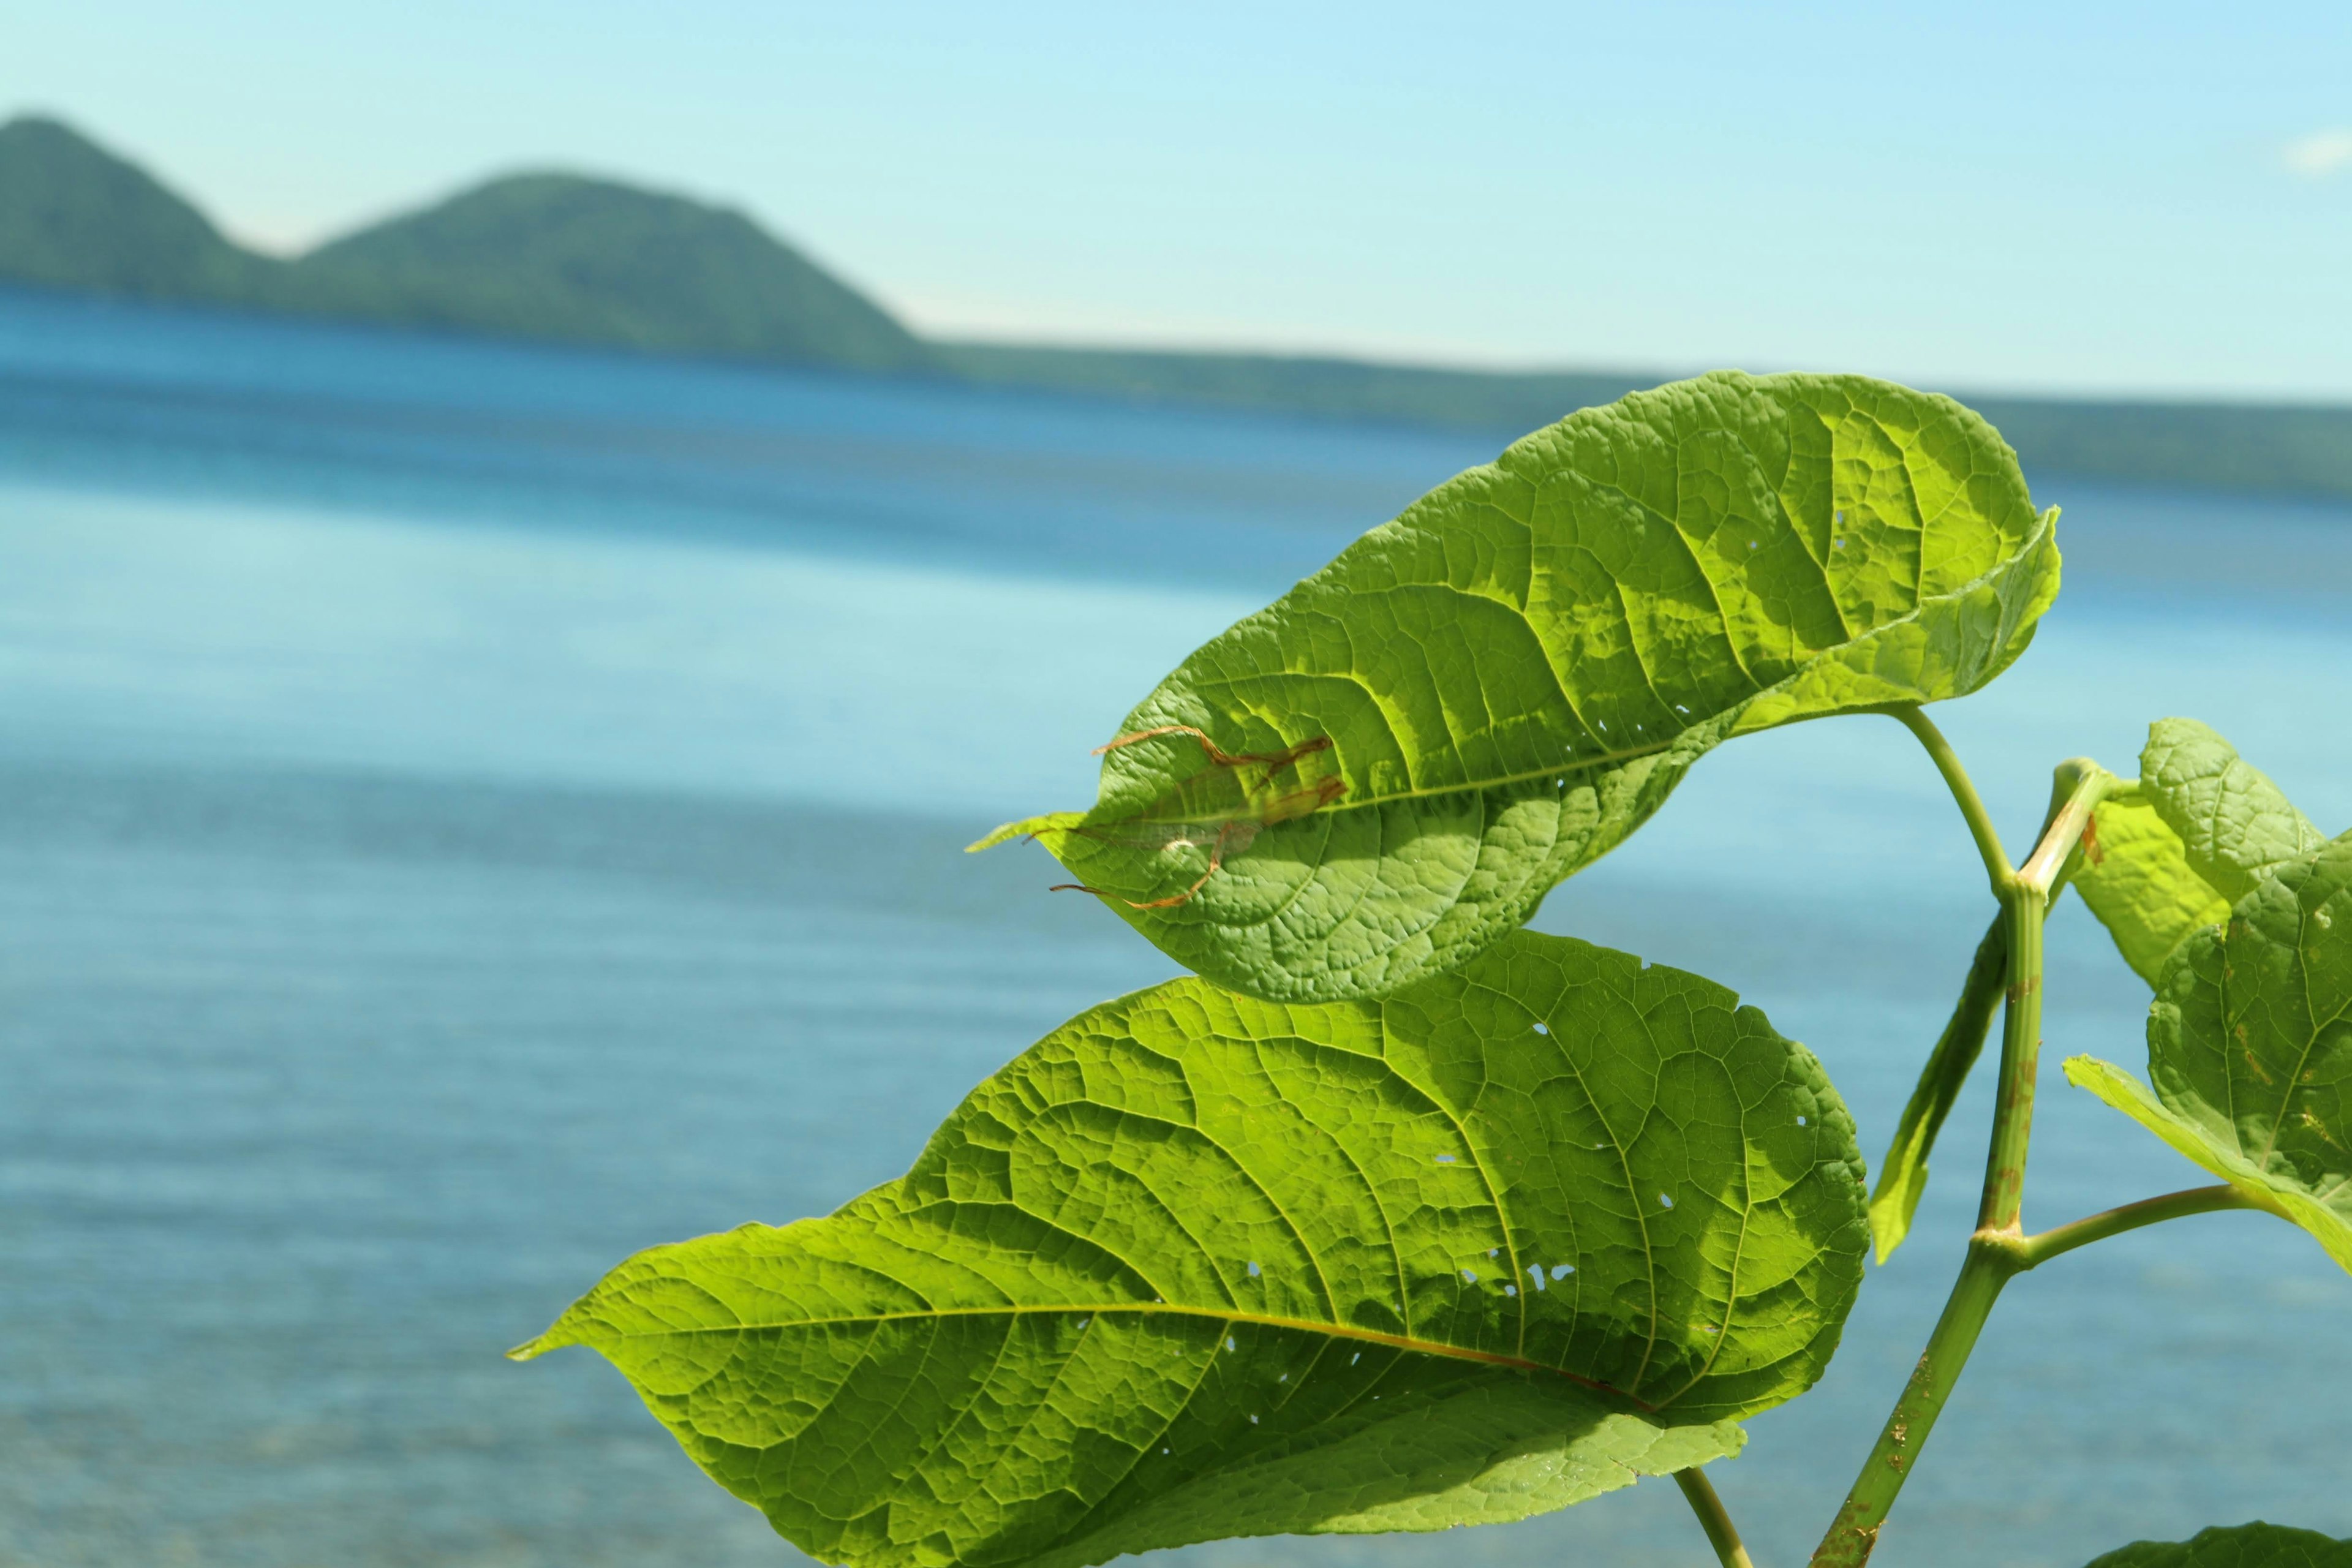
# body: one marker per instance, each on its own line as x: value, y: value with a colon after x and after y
x: 1713, y: 1518
x: 1998, y: 1250
x: 2035, y: 1250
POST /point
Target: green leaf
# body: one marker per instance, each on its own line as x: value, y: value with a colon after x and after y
x: 2255, y: 1545
x: 2200, y: 830
x: 1385, y: 771
x: 1902, y: 1174
x: 2249, y: 1048
x: 1198, y: 1266
x: 2135, y: 876
x: 2236, y: 828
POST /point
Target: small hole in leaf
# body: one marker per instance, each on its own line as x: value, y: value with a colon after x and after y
x: 1841, y: 517
x: 1493, y: 1252
x: 1283, y: 1378
x: 1253, y: 1268
x: 1084, y: 1321
x: 1837, y: 545
x: 1562, y: 1270
x: 1164, y: 1450
x: 1252, y: 1420
x: 1751, y: 545
x: 1471, y: 1275
x: 1536, y: 1269
x: 1801, y: 1121
x: 1229, y: 1342
x: 1445, y: 1159
x: 1542, y: 1028
x: 1510, y: 1290
x: 1354, y: 1359
x: 1665, y: 1200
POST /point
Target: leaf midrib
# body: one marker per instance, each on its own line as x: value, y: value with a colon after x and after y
x: 1260, y: 1320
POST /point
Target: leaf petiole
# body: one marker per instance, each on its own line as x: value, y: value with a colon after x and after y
x: 1713, y: 1517
x: 1964, y: 792
x: 2035, y: 1250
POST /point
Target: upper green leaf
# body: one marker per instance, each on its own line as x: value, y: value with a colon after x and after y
x: 2135, y: 878
x: 1386, y: 769
x: 2199, y: 831
x: 1198, y: 1266
x: 2255, y: 1545
x: 2236, y: 826
x: 2249, y: 1048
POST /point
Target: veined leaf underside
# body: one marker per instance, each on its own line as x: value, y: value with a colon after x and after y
x: 2249, y: 1048
x: 1198, y: 1265
x: 1514, y: 674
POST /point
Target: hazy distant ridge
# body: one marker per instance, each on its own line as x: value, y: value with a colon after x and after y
x: 568, y: 259
x: 542, y: 255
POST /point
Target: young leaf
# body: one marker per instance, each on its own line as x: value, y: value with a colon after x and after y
x: 1386, y: 769
x: 1902, y: 1174
x: 2236, y: 828
x: 1198, y: 1266
x: 2255, y: 1545
x: 2200, y: 831
x: 2135, y: 876
x: 2249, y: 1048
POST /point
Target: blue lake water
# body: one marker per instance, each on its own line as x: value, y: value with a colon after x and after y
x: 472, y: 811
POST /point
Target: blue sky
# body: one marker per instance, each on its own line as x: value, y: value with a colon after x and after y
x: 2151, y: 197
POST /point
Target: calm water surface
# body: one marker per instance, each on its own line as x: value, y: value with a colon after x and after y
x: 474, y: 812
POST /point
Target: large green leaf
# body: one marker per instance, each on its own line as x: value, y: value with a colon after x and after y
x: 1386, y: 769
x: 2255, y: 1545
x: 1198, y: 1266
x: 2200, y: 830
x: 2249, y: 1048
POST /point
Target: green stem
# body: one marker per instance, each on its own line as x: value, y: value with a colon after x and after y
x: 2033, y: 1251
x: 1994, y: 1252
x: 1713, y: 1518
x: 1854, y: 1533
x: 2075, y: 792
x: 2020, y: 1059
x: 1964, y: 791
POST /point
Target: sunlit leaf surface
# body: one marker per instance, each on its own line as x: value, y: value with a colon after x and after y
x: 1198, y: 1266
x: 2249, y: 1048
x: 2200, y: 830
x: 1386, y: 769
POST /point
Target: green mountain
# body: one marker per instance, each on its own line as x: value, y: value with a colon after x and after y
x: 589, y: 261
x: 73, y: 216
x: 555, y: 256
x: 540, y: 255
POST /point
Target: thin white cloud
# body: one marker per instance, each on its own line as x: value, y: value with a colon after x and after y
x: 2320, y: 154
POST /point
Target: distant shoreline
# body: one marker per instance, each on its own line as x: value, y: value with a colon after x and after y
x: 563, y: 258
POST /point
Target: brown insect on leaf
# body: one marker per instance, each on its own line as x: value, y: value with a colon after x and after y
x: 1225, y: 805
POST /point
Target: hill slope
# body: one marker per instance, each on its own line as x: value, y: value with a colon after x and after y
x: 540, y: 255
x: 554, y: 256
x: 73, y: 216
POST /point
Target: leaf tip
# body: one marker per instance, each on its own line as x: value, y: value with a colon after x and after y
x: 1028, y: 827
